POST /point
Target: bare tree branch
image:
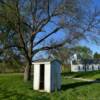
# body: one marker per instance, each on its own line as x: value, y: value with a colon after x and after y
x: 10, y: 46
x: 3, y: 2
x: 50, y: 47
x: 54, y: 31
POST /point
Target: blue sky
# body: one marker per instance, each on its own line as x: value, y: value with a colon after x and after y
x: 60, y: 35
x: 93, y: 46
x: 97, y: 3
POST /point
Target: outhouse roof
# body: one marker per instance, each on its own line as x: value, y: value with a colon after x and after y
x: 45, y: 60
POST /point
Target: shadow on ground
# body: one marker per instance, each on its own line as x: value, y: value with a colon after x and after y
x: 67, y: 73
x: 81, y: 74
x: 97, y: 79
x: 74, y: 85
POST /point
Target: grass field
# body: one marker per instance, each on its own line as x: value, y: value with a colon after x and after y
x: 12, y: 87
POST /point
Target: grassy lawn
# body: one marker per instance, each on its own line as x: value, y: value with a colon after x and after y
x: 12, y: 87
x: 91, y: 75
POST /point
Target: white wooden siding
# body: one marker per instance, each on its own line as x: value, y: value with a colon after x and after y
x: 89, y: 67
x: 36, y: 78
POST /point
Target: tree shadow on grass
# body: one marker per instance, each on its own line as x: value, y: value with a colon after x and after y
x: 74, y: 85
x: 98, y: 79
x: 81, y: 74
x: 69, y: 74
x: 66, y: 73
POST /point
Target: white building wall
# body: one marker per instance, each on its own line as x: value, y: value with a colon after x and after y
x: 47, y: 75
x: 90, y: 67
x: 36, y: 77
x: 76, y: 68
x: 96, y: 66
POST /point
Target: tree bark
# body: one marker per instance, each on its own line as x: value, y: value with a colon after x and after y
x: 27, y: 73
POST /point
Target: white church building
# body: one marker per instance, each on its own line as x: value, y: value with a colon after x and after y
x: 47, y: 75
x: 83, y: 65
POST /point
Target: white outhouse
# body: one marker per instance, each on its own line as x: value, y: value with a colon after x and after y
x: 47, y: 75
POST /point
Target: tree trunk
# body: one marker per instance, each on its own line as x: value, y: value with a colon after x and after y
x: 27, y: 73
x: 85, y: 68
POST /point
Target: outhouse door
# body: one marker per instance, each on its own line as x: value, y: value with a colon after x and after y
x: 41, y: 84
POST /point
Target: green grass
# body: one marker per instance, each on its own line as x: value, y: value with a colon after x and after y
x: 12, y: 87
x: 91, y: 75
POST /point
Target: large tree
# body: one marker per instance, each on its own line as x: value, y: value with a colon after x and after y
x: 22, y: 20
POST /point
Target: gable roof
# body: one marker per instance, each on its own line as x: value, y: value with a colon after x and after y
x: 45, y: 60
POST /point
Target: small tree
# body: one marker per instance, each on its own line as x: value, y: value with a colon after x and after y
x: 97, y: 55
x: 83, y: 52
